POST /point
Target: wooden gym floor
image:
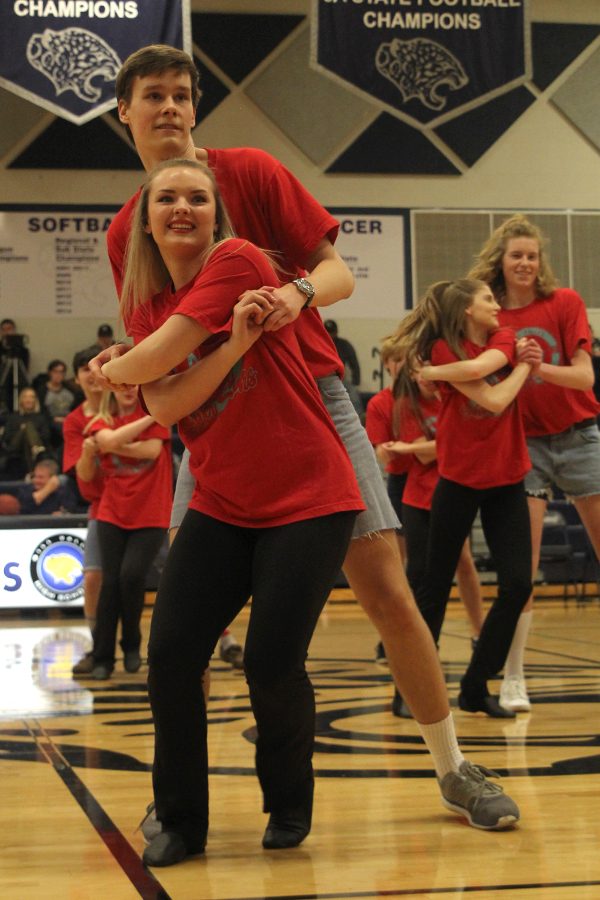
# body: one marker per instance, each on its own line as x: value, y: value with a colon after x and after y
x: 75, y: 777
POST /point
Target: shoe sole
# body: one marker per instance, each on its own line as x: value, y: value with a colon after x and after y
x: 503, y: 823
x: 520, y: 707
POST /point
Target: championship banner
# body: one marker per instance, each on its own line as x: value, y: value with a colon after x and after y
x: 54, y: 260
x: 64, y: 55
x: 423, y: 59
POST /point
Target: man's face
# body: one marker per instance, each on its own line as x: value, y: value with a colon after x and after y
x: 87, y: 381
x: 7, y: 328
x: 160, y: 115
x: 40, y: 477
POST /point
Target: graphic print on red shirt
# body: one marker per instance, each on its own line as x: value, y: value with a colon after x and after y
x: 559, y: 324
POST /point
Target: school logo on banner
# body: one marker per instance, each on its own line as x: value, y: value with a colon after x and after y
x: 423, y: 59
x: 64, y: 55
x: 56, y: 568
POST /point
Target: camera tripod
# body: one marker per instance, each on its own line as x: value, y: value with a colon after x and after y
x: 15, y: 365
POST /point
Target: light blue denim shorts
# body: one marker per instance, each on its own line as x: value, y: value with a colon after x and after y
x: 570, y: 460
x: 91, y: 551
x: 379, y: 514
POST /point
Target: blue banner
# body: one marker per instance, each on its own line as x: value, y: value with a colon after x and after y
x: 64, y: 55
x: 423, y: 58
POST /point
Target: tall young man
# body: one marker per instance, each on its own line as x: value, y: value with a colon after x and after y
x: 157, y: 89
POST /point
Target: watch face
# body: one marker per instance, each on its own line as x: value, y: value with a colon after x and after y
x: 305, y: 286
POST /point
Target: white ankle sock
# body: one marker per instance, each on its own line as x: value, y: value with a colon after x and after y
x: 440, y: 738
x: 514, y: 660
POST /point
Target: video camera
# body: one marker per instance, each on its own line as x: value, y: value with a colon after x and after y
x: 14, y: 344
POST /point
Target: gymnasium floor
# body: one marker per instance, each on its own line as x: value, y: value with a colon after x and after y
x: 75, y: 777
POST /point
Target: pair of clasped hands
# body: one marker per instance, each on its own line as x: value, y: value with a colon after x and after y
x: 264, y: 309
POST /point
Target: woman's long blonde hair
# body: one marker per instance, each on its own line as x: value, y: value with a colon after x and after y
x: 404, y: 387
x: 488, y: 262
x: 440, y: 313
x: 145, y: 273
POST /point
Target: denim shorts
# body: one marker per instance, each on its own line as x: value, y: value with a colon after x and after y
x: 570, y: 460
x: 379, y: 514
x: 91, y: 552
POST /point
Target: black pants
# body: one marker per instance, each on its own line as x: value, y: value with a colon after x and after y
x: 505, y: 521
x: 415, y: 527
x: 127, y: 555
x: 211, y: 571
x: 395, y: 489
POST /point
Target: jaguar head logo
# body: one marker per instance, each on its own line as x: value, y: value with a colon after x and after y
x: 73, y: 59
x: 419, y: 68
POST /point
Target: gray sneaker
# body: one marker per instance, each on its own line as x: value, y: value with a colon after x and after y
x: 485, y: 805
x: 150, y: 826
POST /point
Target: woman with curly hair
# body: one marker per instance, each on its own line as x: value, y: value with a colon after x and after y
x: 558, y: 404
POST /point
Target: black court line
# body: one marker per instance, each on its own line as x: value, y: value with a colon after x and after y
x: 142, y: 880
x: 419, y: 892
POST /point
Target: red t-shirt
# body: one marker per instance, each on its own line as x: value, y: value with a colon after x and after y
x: 379, y: 425
x: 138, y: 493
x: 269, y: 207
x: 422, y: 477
x: 73, y: 436
x: 264, y: 451
x: 560, y: 325
x: 475, y: 447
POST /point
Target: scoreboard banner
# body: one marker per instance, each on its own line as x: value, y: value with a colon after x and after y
x: 64, y: 55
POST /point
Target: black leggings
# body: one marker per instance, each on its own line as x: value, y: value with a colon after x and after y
x: 127, y: 555
x: 211, y: 571
x: 505, y: 521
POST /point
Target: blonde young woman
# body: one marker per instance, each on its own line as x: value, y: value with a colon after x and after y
x: 482, y: 461
x: 274, y: 488
x: 558, y: 404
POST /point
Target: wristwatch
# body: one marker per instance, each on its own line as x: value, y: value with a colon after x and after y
x: 306, y: 288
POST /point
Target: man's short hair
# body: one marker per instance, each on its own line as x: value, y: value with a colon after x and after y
x: 105, y: 331
x: 155, y: 59
x: 82, y: 357
x: 50, y: 464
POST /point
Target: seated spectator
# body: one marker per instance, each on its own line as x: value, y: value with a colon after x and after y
x: 26, y: 435
x: 48, y: 493
x: 55, y: 397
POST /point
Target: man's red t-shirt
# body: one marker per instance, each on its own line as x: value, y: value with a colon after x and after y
x: 271, y: 208
x: 73, y: 437
x: 379, y: 426
x: 138, y: 493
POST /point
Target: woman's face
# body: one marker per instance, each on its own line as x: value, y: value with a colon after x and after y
x: 181, y: 211
x: 521, y: 263
x: 483, y: 310
x: 128, y: 399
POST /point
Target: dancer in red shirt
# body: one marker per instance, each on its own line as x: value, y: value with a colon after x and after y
x: 157, y: 89
x: 274, y: 487
x: 482, y: 460
x: 409, y: 440
x: 133, y: 514
x: 558, y: 404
